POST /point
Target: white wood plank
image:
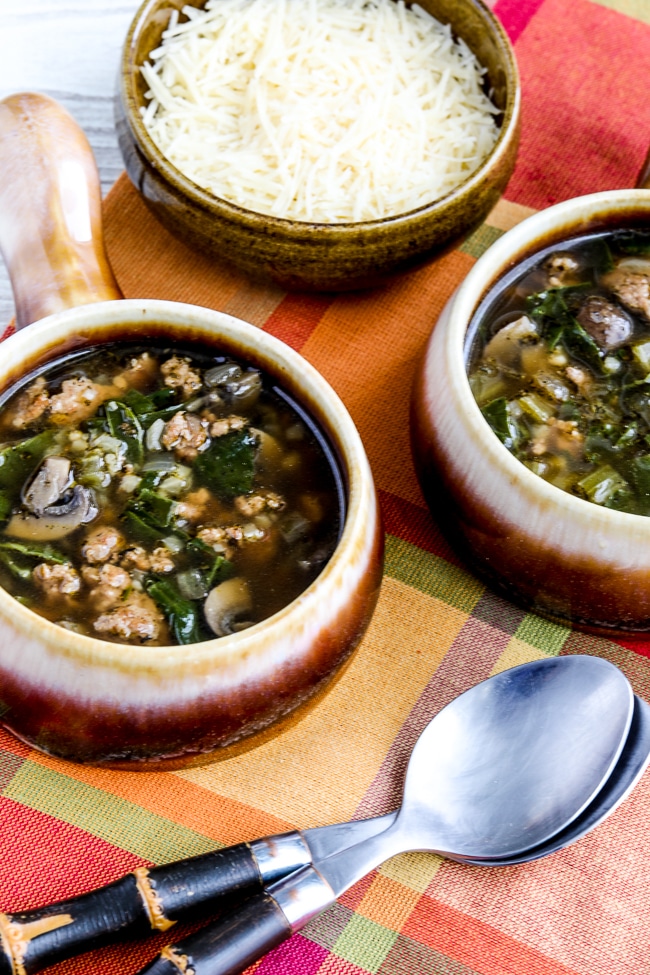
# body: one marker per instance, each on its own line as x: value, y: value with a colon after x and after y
x: 70, y: 51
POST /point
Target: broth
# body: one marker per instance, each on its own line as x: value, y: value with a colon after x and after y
x: 559, y: 363
x: 158, y: 496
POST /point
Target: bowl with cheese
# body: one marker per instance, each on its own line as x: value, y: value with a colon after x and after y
x: 320, y: 144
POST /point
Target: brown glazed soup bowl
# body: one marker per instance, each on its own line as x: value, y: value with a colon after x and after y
x: 99, y: 702
x: 566, y: 558
x: 309, y: 256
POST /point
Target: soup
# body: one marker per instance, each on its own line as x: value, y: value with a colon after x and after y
x: 161, y: 496
x: 560, y: 367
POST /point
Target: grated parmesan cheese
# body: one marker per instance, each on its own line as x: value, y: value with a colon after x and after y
x: 318, y: 110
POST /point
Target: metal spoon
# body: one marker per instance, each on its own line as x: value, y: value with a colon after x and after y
x: 499, y: 772
x: 633, y: 762
x: 501, y: 769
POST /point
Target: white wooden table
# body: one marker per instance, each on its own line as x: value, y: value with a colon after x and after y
x: 70, y: 50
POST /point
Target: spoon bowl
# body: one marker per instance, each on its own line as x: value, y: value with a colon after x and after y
x: 629, y: 769
x: 516, y: 758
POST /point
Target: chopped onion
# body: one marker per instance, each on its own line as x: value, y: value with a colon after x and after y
x: 153, y: 435
x: 173, y: 543
x: 191, y: 584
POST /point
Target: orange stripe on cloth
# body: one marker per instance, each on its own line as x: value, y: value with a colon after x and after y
x: 373, y: 341
x: 167, y: 794
x: 476, y: 944
x: 149, y: 263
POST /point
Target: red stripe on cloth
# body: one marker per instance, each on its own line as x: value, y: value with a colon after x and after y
x: 45, y: 859
x: 515, y: 15
x: 415, y: 525
x: 640, y: 644
x: 476, y: 944
x: 577, y: 59
x: 296, y: 317
x: 297, y: 956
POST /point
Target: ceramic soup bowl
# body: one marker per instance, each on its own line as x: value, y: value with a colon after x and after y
x: 556, y: 553
x: 300, y: 255
x: 100, y: 702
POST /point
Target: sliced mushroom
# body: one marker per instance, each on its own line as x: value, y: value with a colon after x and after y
x: 269, y: 450
x: 227, y: 606
x: 609, y: 326
x: 57, y: 520
x: 48, y: 486
x: 240, y: 389
x: 505, y: 345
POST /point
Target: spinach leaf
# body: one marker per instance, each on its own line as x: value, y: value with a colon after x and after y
x: 45, y: 553
x: 6, y: 504
x: 502, y: 423
x: 635, y: 245
x: 19, y: 557
x: 124, y: 424
x: 138, y: 529
x: 227, y: 467
x: 142, y: 404
x: 640, y: 475
x: 154, y: 509
x: 16, y: 567
x: 19, y: 460
x: 183, y: 615
x: 214, y: 568
x: 552, y: 311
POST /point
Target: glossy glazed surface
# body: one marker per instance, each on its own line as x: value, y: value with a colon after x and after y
x: 306, y: 256
x: 88, y: 700
x: 92, y: 701
x: 560, y: 555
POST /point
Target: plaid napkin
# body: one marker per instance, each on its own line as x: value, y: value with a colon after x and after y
x: 437, y: 630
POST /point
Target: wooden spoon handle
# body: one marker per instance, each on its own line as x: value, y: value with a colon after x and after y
x: 50, y: 210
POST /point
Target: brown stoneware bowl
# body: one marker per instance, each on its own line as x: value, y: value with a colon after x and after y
x: 309, y: 256
x: 105, y: 703
x: 564, y: 557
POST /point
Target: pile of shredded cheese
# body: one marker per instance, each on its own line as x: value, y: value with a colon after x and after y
x: 318, y: 110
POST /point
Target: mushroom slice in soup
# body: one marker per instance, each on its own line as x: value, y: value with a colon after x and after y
x: 228, y: 606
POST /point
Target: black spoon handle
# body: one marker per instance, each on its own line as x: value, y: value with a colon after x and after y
x: 143, y: 901
x: 238, y: 939
x: 229, y: 946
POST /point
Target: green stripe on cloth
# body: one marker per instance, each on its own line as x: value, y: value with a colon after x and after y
x: 431, y: 574
x: 327, y: 928
x: 365, y: 943
x: 543, y: 635
x: 637, y: 9
x: 115, y: 820
x: 480, y: 240
x: 408, y: 957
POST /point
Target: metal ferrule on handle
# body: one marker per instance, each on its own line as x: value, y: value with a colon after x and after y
x: 303, y: 896
x: 280, y: 855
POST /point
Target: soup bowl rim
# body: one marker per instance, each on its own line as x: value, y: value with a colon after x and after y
x: 553, y: 224
x: 40, y: 336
